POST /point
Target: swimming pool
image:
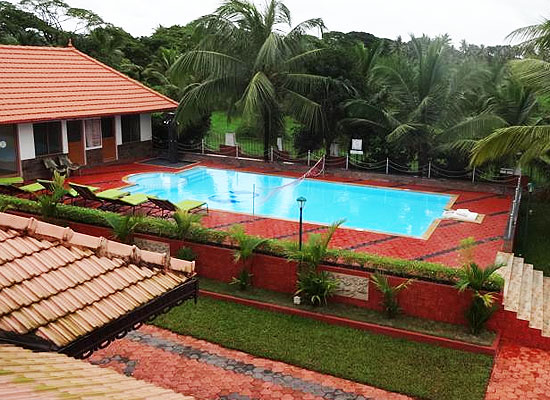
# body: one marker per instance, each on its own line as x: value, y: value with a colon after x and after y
x: 393, y: 211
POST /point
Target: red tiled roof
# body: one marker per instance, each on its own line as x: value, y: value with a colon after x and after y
x: 59, y: 285
x: 33, y: 376
x: 48, y: 83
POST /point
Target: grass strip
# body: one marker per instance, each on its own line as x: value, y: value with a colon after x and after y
x: 398, y: 365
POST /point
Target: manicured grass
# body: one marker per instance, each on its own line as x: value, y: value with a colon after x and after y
x: 415, y: 369
x: 533, y: 234
x: 219, y: 126
x: 456, y: 332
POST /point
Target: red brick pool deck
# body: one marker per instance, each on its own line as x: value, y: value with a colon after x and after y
x: 442, y: 245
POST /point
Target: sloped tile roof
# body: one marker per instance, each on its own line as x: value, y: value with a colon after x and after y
x: 48, y: 83
x: 59, y: 285
x: 27, y: 375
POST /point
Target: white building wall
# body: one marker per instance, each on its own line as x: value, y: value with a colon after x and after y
x: 118, y: 130
x: 64, y: 138
x: 26, y: 142
x: 146, y: 131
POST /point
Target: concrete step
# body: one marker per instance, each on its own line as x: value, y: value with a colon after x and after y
x: 524, y: 310
x: 511, y: 300
x: 535, y: 321
x: 546, y: 307
x: 505, y: 260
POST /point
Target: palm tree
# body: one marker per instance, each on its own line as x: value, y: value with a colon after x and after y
x: 156, y: 74
x: 532, y: 140
x: 247, y: 63
x: 427, y: 99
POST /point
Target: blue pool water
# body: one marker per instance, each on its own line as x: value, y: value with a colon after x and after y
x: 391, y: 211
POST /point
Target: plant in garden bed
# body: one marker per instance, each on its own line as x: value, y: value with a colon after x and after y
x: 244, y: 254
x: 316, y: 286
x: 186, y: 253
x: 186, y: 223
x: 389, y: 301
x: 475, y: 278
x: 124, y: 226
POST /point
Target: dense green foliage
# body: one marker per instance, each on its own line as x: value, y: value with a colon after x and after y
x: 421, y: 370
x: 414, y: 101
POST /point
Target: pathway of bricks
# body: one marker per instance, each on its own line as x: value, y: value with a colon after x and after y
x: 520, y: 373
x: 208, y: 371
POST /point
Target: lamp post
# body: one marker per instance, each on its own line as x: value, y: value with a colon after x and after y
x: 172, y: 137
x: 301, y: 201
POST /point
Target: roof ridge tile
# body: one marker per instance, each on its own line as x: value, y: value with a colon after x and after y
x: 67, y: 237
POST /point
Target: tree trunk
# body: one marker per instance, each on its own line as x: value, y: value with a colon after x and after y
x: 267, y: 134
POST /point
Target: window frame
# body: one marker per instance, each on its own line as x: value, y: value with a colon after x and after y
x: 48, y: 153
x: 138, y: 117
x: 91, y: 120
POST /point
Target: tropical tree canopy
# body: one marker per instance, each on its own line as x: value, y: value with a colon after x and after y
x: 248, y: 62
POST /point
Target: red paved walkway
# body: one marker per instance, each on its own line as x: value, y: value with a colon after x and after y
x: 208, y: 371
x: 520, y: 373
x: 440, y: 247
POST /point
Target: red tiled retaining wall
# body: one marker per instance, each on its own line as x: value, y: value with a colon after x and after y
x: 423, y: 299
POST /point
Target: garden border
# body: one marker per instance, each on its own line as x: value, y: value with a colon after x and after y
x: 365, y: 326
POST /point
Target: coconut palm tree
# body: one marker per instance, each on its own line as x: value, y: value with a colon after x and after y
x: 247, y: 62
x: 531, y: 140
x: 156, y: 74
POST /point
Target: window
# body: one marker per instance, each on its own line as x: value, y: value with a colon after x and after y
x: 130, y: 128
x: 92, y: 130
x: 107, y: 127
x: 74, y: 131
x: 47, y: 138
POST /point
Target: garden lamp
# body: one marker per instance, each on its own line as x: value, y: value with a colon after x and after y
x: 301, y: 202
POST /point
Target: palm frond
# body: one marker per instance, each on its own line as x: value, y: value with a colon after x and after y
x: 534, y: 141
x: 259, y: 96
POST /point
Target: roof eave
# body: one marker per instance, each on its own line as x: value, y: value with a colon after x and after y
x: 100, y: 338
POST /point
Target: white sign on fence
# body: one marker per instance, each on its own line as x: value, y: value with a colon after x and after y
x: 280, y: 143
x: 356, y: 146
x: 230, y: 139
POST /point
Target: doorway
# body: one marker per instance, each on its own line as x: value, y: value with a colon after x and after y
x: 108, y: 137
x: 76, y: 144
x: 9, y: 164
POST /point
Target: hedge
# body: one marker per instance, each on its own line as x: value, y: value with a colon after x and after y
x: 343, y: 258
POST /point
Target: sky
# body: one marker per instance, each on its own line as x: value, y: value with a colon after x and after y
x: 477, y: 21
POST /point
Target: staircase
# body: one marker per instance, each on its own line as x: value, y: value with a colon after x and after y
x: 526, y: 292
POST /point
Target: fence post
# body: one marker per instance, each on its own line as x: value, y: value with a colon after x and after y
x: 271, y: 154
x: 237, y: 151
x: 202, y: 146
x: 387, y: 165
x: 308, y: 157
x: 429, y: 169
x: 347, y: 161
x: 474, y: 175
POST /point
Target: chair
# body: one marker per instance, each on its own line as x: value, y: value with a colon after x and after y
x: 27, y: 190
x: 88, y: 194
x: 66, y: 162
x: 73, y: 194
x: 51, y: 166
x: 166, y: 206
x: 131, y: 200
x: 7, y: 183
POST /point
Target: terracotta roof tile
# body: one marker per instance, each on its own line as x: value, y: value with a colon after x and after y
x: 47, y: 83
x: 27, y: 375
x: 60, y: 285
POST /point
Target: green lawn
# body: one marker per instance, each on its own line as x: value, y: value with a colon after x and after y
x: 415, y: 369
x: 533, y: 233
x: 219, y: 126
